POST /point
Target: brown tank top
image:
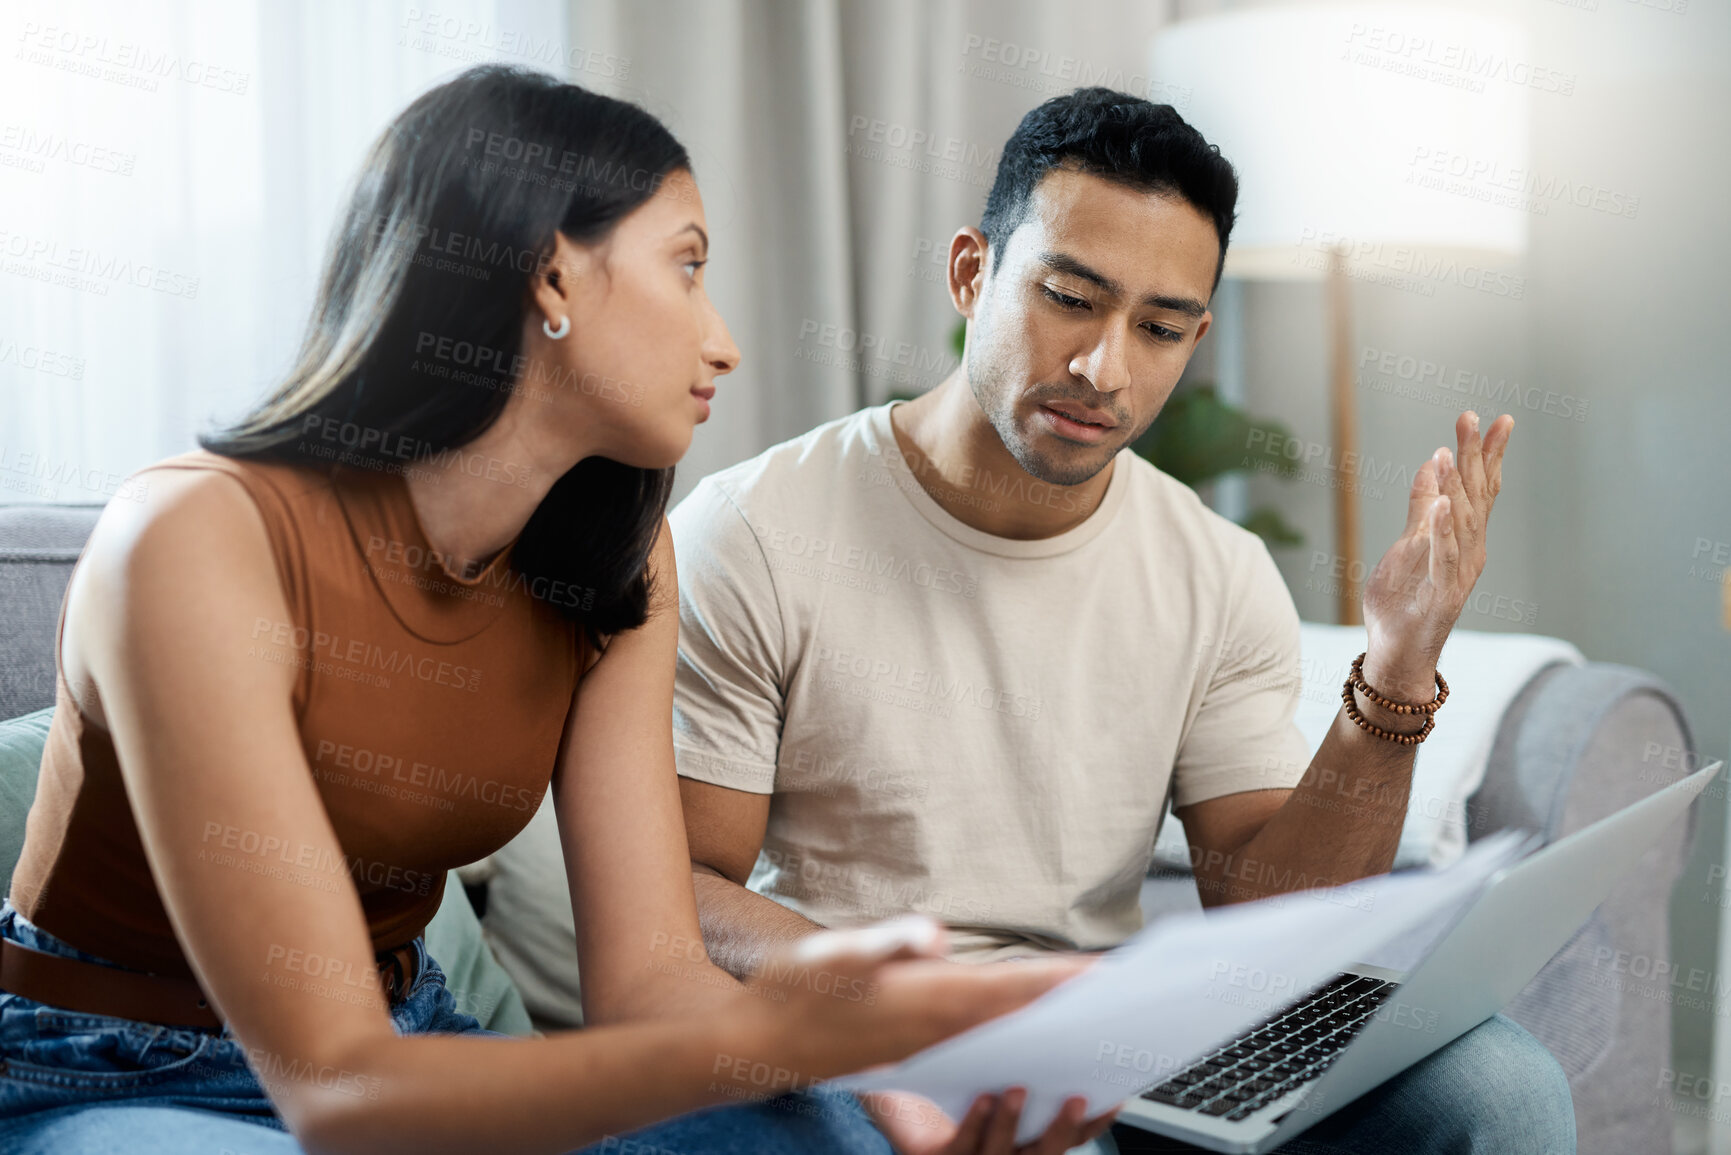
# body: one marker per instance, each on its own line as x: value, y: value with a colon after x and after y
x: 430, y: 710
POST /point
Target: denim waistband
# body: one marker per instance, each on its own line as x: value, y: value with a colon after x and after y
x: 15, y: 927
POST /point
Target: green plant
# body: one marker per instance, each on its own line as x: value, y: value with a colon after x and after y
x: 1198, y: 438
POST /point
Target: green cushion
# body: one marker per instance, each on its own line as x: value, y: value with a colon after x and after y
x: 477, y: 981
x: 21, y: 742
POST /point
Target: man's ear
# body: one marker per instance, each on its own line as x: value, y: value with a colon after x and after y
x: 967, y: 269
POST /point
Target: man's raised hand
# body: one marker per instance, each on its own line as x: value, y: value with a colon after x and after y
x: 1417, y: 591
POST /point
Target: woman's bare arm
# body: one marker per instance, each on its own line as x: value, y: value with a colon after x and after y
x: 206, y: 737
x: 623, y: 832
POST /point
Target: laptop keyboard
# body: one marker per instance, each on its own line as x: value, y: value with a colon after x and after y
x: 1278, y: 1056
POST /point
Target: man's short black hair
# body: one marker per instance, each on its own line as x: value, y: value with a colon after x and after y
x: 1117, y: 136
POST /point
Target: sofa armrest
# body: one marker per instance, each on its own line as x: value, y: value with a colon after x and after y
x: 1567, y: 752
x: 38, y: 546
x: 1577, y: 744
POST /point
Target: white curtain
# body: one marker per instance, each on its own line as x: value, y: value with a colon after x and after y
x: 170, y: 170
x: 169, y: 173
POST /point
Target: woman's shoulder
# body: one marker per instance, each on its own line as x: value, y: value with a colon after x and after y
x: 194, y: 508
x: 180, y: 494
x: 287, y: 481
x: 182, y: 541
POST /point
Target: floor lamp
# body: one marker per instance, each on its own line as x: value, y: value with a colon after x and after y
x: 1347, y: 150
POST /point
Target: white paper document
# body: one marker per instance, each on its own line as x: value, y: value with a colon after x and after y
x: 1181, y: 987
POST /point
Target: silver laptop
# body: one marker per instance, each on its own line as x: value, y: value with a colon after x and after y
x: 1303, y: 1063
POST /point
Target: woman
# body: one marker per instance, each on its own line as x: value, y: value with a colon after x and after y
x: 349, y: 645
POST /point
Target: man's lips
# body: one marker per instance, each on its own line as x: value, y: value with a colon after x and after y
x: 1082, y: 414
x: 703, y: 392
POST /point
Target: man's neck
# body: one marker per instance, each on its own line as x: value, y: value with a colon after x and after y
x: 961, y: 462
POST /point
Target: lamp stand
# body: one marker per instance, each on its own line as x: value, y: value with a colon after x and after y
x: 1344, y: 417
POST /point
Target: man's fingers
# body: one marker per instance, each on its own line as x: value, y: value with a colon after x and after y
x: 1469, y: 459
x: 967, y: 1136
x: 1424, y: 492
x: 1065, y: 1130
x: 1496, y: 443
x: 1445, y: 553
x: 1000, y: 1133
x: 1460, y: 501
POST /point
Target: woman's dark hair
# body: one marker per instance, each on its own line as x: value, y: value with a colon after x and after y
x: 1117, y: 136
x: 413, y: 345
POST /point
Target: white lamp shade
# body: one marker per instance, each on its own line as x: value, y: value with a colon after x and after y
x: 1360, y: 125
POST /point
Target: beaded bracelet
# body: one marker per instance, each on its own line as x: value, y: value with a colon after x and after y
x: 1355, y: 680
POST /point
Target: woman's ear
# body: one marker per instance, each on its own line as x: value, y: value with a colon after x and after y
x: 553, y: 288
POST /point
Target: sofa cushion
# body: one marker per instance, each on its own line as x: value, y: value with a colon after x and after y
x: 21, y: 742
x: 530, y: 924
x: 475, y: 978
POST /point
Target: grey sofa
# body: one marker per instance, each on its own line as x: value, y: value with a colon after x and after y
x: 1571, y: 747
x: 38, y: 544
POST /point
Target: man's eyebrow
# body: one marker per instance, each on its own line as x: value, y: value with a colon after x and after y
x: 1064, y: 263
x: 1189, y: 306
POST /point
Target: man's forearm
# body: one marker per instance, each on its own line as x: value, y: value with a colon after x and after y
x: 676, y: 985
x: 1342, y: 822
x: 739, y: 926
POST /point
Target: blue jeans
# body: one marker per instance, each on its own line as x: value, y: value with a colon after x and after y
x: 1493, y: 1091
x: 77, y: 1084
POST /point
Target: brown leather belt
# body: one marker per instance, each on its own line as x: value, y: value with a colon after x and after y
x: 93, y: 989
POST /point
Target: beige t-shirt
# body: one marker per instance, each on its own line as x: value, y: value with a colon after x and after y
x: 982, y: 729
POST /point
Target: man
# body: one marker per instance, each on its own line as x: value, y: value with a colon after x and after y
x: 955, y: 655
